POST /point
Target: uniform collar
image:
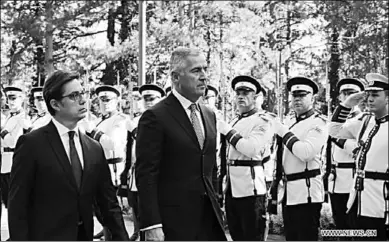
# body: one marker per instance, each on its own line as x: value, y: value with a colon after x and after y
x: 40, y: 115
x: 305, y: 115
x: 383, y: 119
x: 249, y: 113
x: 108, y: 115
x: 15, y: 113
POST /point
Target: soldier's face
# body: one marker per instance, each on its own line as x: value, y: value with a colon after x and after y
x: 302, y: 101
x: 376, y: 101
x: 72, y: 105
x: 244, y: 99
x: 40, y: 104
x: 108, y: 104
x: 15, y: 102
x: 150, y: 100
x: 191, y: 80
x: 210, y: 99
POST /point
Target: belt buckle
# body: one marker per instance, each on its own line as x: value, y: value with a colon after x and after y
x: 80, y: 223
x: 231, y: 162
x: 360, y: 173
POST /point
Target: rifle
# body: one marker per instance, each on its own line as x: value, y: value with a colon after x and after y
x: 329, y: 143
x: 130, y: 98
x: 272, y: 203
x: 223, y: 155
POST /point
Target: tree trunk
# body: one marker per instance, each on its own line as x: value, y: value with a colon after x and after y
x: 49, y: 65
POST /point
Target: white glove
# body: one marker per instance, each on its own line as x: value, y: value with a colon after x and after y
x: 223, y: 127
x: 354, y: 99
x: 279, y: 128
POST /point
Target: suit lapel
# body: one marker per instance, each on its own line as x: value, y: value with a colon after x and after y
x: 179, y: 114
x: 207, y: 122
x: 58, y: 148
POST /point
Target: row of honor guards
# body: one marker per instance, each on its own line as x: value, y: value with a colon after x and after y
x: 115, y: 131
x: 355, y: 173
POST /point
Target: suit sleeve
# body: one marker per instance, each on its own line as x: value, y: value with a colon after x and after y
x: 21, y: 186
x: 108, y: 203
x: 149, y: 145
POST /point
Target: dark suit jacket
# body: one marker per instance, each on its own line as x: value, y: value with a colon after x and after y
x: 44, y: 201
x: 172, y: 172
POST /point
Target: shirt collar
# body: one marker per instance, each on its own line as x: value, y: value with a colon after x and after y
x: 184, y: 101
x: 62, y: 130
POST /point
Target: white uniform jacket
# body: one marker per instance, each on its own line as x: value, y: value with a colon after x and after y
x: 248, y: 142
x: 114, y: 130
x: 301, y: 153
x: 12, y: 129
x: 370, y: 176
x: 343, y: 163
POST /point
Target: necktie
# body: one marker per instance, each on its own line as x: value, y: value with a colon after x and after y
x: 75, y: 160
x: 196, y: 124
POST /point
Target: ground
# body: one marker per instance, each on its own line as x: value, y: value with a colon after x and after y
x: 127, y: 221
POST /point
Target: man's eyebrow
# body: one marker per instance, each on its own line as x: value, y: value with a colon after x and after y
x: 199, y: 67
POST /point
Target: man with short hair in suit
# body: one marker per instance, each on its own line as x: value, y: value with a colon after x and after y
x: 58, y: 172
x: 176, y: 159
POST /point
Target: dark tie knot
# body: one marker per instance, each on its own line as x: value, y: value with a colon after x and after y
x: 71, y: 134
x: 193, y: 107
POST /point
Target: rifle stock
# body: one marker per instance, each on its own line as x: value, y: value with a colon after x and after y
x: 328, y: 168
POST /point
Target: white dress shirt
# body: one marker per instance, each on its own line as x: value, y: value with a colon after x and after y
x: 185, y: 103
x: 64, y: 135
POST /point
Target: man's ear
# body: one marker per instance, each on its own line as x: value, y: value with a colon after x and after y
x: 55, y: 104
x: 174, y: 78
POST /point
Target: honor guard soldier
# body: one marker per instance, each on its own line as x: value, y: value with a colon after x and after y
x: 109, y: 132
x: 249, y: 137
x: 302, y: 142
x: 340, y: 158
x: 368, y: 204
x: 138, y: 102
x: 210, y: 97
x: 14, y: 125
x: 43, y: 117
x: 151, y: 95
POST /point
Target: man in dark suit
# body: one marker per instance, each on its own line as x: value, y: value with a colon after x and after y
x: 176, y: 159
x: 57, y: 173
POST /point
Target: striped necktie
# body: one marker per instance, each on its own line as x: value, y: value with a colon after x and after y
x: 196, y: 124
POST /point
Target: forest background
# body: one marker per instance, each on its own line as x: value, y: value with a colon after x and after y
x: 269, y: 40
